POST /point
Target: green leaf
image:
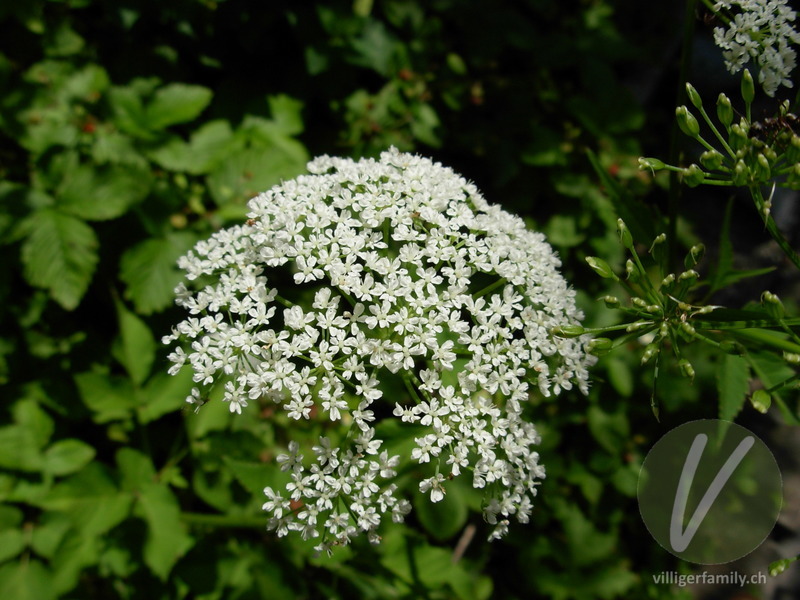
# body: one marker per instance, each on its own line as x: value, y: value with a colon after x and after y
x: 167, y: 539
x: 137, y: 469
x: 12, y: 543
x: 49, y: 532
x: 253, y: 476
x: 150, y: 271
x: 26, y: 580
x: 445, y: 518
x: 176, y: 103
x: 67, y: 456
x: 19, y: 449
x: 59, y: 255
x: 206, y: 148
x: 611, y: 430
x: 99, y: 194
x: 135, y: 349
x: 249, y: 172
x: 586, y: 543
x: 29, y: 414
x: 164, y: 394
x: 76, y: 552
x: 109, y: 398
x: 732, y: 385
x: 90, y: 498
x: 286, y: 113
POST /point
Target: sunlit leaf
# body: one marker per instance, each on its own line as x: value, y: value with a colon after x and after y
x: 60, y: 255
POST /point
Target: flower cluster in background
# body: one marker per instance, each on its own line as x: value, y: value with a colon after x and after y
x: 763, y: 31
x: 383, y: 290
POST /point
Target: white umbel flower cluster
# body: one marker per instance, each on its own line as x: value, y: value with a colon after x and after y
x: 377, y: 291
x: 762, y: 30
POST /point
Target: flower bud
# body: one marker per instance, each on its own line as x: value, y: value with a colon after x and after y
x: 712, y: 160
x: 601, y: 267
x: 694, y: 96
x: 568, y: 331
x: 599, y: 346
x: 649, y: 352
x: 693, y: 176
x: 738, y: 137
x: 632, y: 271
x: 624, y: 234
x: 696, y: 253
x: 652, y: 164
x: 686, y: 368
x: 761, y: 400
x: 748, y: 87
x: 667, y: 281
x: 763, y: 172
x: 791, y: 358
x: 773, y: 305
x: 741, y: 174
x: 689, y: 277
x: 724, y: 111
x: 793, y: 151
x: 611, y: 301
x: 687, y: 122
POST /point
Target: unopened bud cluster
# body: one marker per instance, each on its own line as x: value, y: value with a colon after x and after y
x: 743, y: 153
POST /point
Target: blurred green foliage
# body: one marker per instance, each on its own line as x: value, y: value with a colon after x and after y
x: 130, y: 129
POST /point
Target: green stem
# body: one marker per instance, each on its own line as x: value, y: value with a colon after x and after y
x: 772, y: 228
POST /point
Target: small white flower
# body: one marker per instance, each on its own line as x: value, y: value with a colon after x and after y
x: 383, y: 289
x: 763, y: 31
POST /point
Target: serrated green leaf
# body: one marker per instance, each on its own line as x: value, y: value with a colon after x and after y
x: 90, y: 499
x: 59, y: 255
x: 135, y: 349
x: 150, y: 271
x: 99, y: 194
x: 67, y: 456
x: 167, y: 538
x: 108, y: 397
x: 732, y: 385
x: 176, y: 103
x: 26, y: 580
